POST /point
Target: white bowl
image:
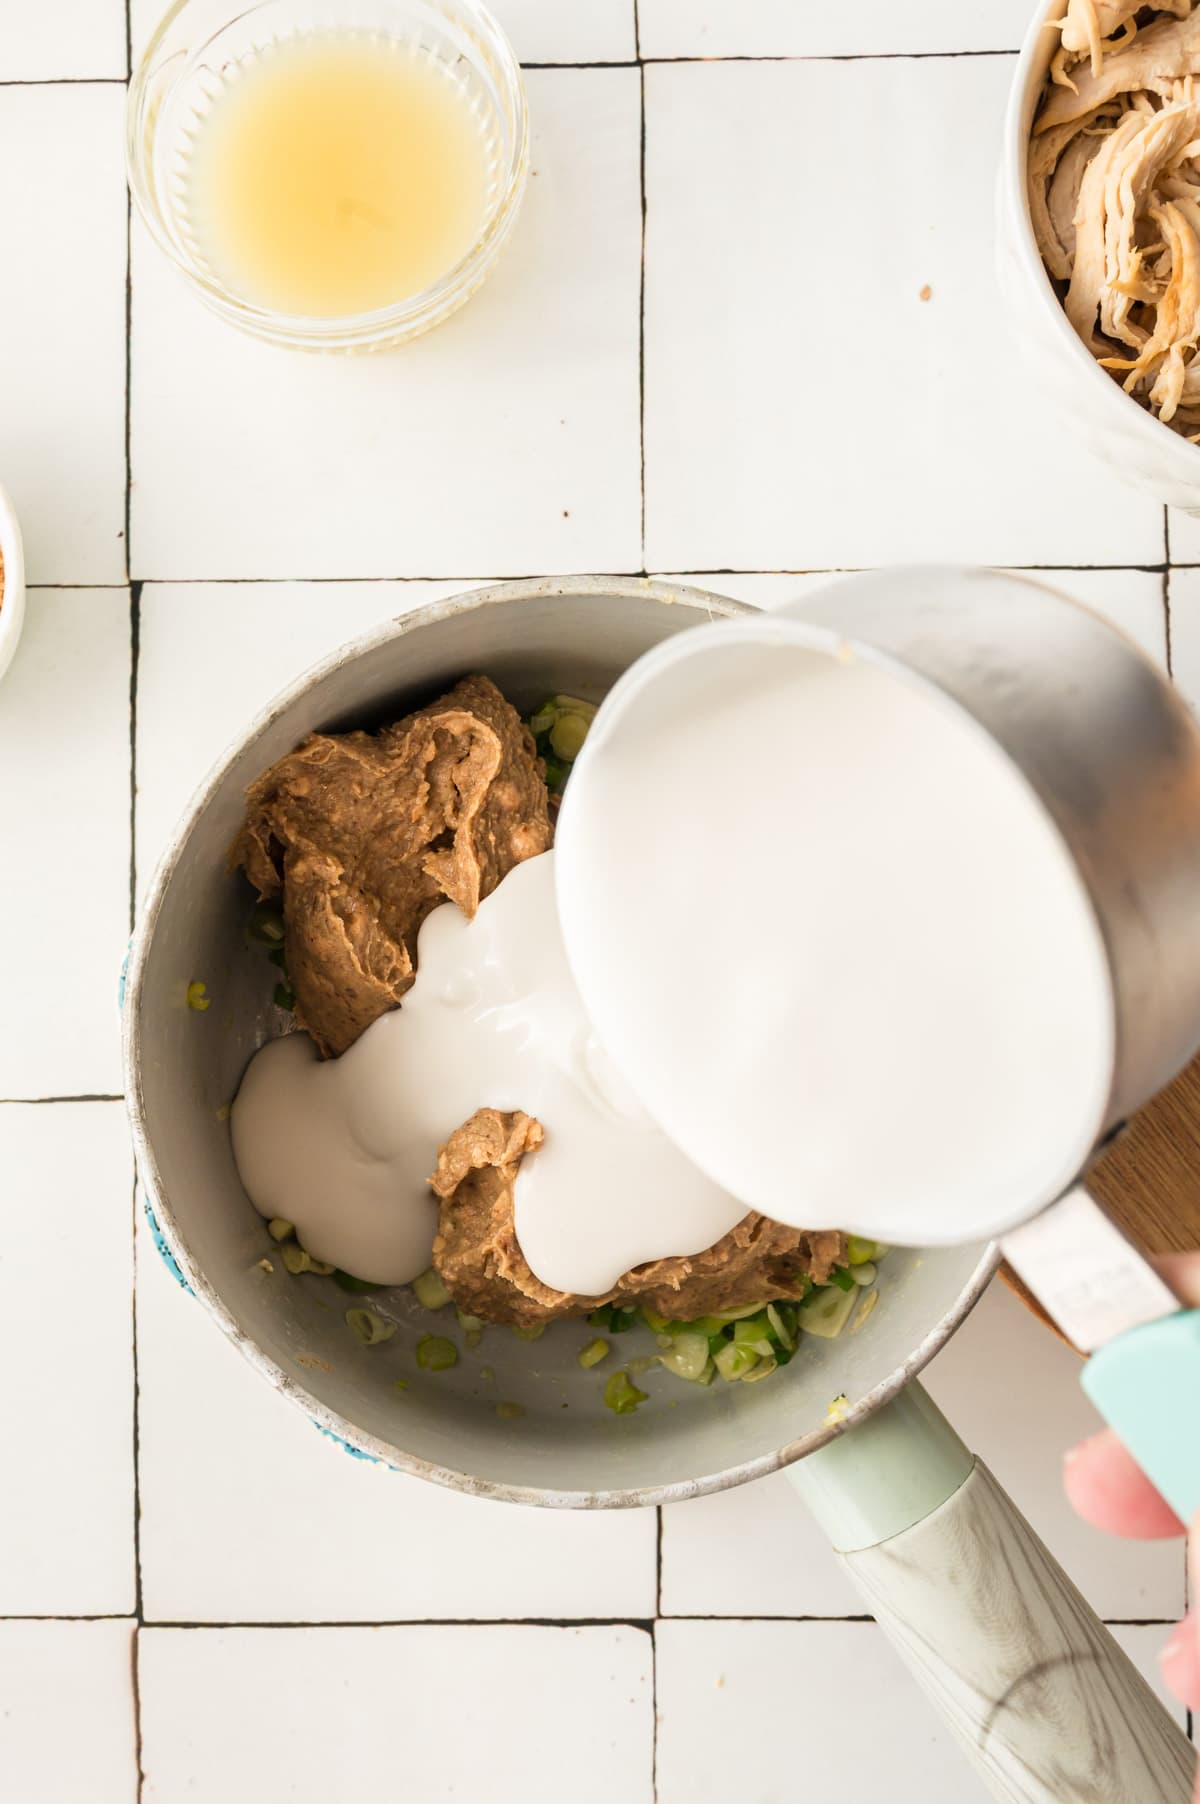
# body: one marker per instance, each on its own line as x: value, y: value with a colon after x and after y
x: 1144, y: 451
x: 12, y: 600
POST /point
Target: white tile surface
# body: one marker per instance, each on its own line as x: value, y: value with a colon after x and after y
x: 247, y: 1715
x: 248, y: 1514
x: 239, y: 644
x: 64, y: 726
x: 759, y: 1710
x: 53, y: 40
x: 568, y: 31
x: 804, y: 408
x: 1012, y: 1391
x: 504, y: 443
x: 1185, y: 538
x: 66, y: 1713
x: 754, y: 1551
x: 62, y: 423
x: 66, y: 1343
x: 816, y: 28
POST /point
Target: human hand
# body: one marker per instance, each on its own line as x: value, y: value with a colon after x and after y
x: 1112, y: 1492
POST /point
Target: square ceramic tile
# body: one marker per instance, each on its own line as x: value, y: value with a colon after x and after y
x: 253, y: 1715
x: 66, y: 1341
x: 752, y: 1551
x: 67, y: 1732
x: 1185, y: 632
x: 64, y: 725
x: 802, y: 413
x: 250, y: 1515
x: 62, y: 319
x: 1011, y: 1389
x: 504, y: 442
x: 212, y: 656
x: 768, y: 1711
x: 569, y: 31
x: 815, y: 28
x: 60, y: 40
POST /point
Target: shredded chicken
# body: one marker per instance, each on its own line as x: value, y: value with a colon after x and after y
x: 1114, y: 194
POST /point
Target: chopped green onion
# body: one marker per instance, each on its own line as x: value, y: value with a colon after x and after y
x: 828, y: 1311
x: 401, y: 1384
x: 567, y: 736
x: 763, y: 1369
x: 869, y: 1304
x: 487, y: 1374
x: 510, y: 1412
x: 688, y: 1355
x: 840, y: 1275
x: 370, y: 1328
x: 661, y: 1324
x: 865, y: 1274
x: 859, y: 1251
x: 278, y: 959
x: 436, y: 1353
x: 621, y: 1395
x: 322, y: 1267
x: 430, y: 1292
x: 469, y: 1323
x: 295, y: 1258
x: 556, y: 775
x: 529, y: 1330
x: 197, y: 997
x: 593, y: 1353
x: 543, y: 720
x: 736, y: 1315
x: 284, y: 995
x: 755, y: 1331
x: 347, y: 1281
x: 734, y: 1362
x: 645, y: 1362
x: 279, y: 1229
x: 602, y: 1317
x: 783, y: 1336
x: 706, y: 1376
x: 265, y: 926
x: 573, y: 704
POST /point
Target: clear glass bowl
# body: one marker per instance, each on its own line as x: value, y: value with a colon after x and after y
x: 196, y: 50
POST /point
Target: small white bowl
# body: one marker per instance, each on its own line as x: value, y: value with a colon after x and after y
x: 1144, y: 451
x: 12, y: 597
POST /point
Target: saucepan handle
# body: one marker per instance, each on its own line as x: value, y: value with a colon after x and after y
x: 1033, y: 1686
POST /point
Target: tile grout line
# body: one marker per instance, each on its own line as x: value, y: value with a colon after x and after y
x: 33, y: 1102
x: 567, y: 576
x: 637, y: 43
x: 645, y: 1624
x: 135, y: 646
x: 1166, y: 585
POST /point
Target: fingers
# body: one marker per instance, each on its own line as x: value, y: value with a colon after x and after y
x: 1182, y: 1273
x: 1110, y: 1490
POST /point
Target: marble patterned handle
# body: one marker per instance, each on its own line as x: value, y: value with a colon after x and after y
x: 1035, y: 1689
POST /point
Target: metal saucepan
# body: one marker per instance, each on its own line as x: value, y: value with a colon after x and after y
x: 1038, y: 1693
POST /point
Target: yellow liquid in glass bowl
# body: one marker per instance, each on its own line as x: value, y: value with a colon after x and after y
x: 333, y: 175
